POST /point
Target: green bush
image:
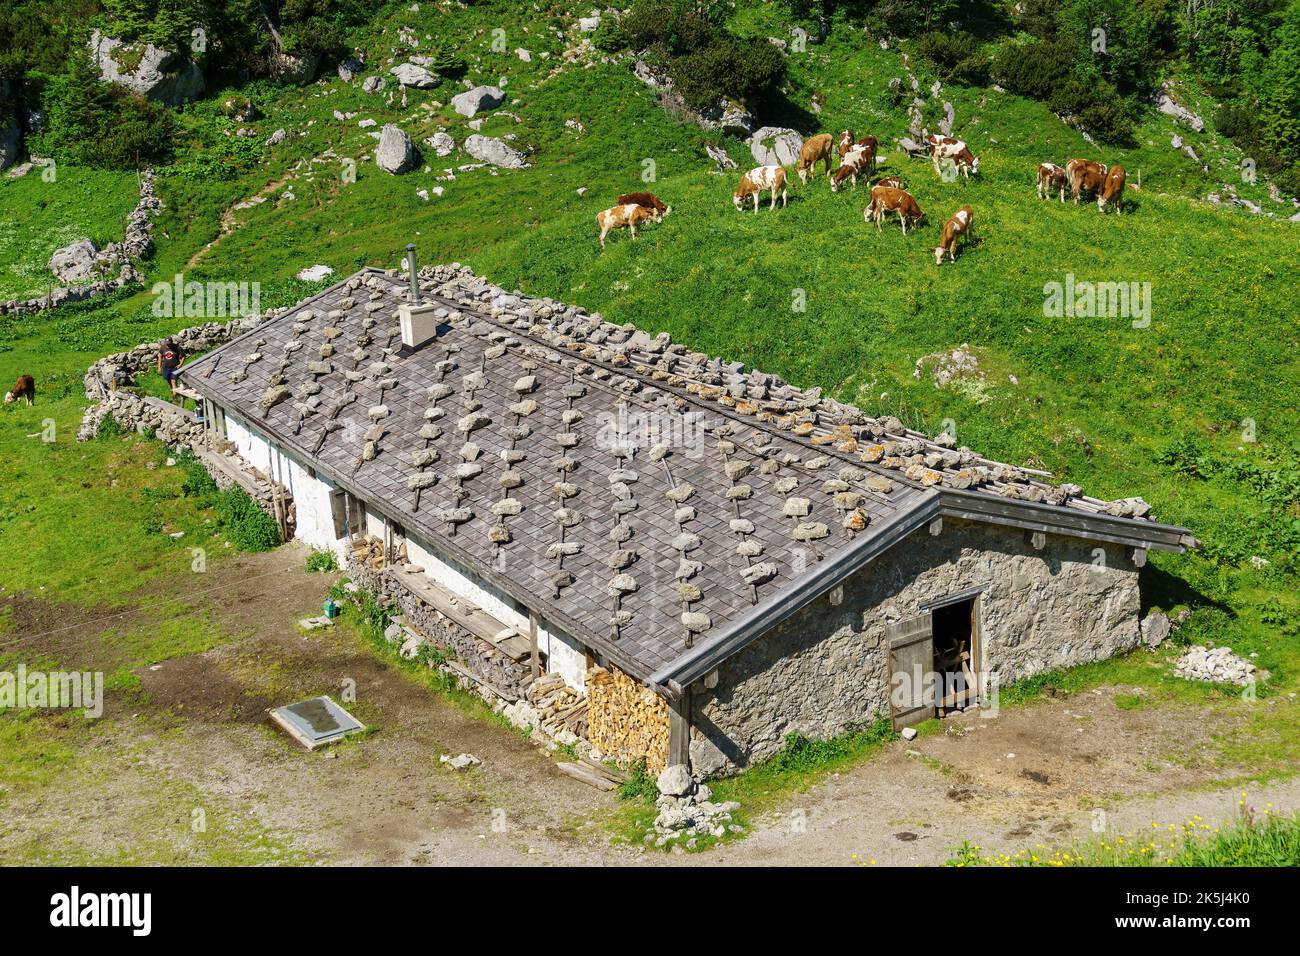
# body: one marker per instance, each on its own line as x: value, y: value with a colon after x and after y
x: 101, y: 124
x: 639, y: 785
x: 248, y: 526
x: 705, y: 62
x: 322, y: 559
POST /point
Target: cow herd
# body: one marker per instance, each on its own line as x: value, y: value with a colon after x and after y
x: 858, y: 157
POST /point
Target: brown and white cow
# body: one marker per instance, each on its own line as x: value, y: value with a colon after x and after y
x: 887, y: 199
x: 1051, y: 179
x: 755, y: 181
x: 847, y: 142
x: 961, y: 224
x: 857, y: 161
x: 1085, y: 175
x: 894, y: 182
x: 624, y: 214
x: 946, y: 147
x: 649, y: 200
x: 816, y: 149
x: 1112, y: 190
x: 24, y: 388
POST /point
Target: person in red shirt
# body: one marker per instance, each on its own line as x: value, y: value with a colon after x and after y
x: 170, y: 360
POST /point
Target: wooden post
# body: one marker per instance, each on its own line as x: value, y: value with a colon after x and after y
x: 679, y: 729
x: 535, y: 653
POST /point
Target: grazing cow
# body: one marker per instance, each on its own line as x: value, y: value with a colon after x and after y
x: 962, y: 223
x: 860, y: 159
x: 755, y: 181
x: 887, y: 199
x: 817, y: 149
x: 1112, y: 190
x: 893, y: 182
x: 1051, y: 179
x: 24, y: 388
x: 846, y: 142
x: 625, y: 214
x: 1085, y: 175
x: 649, y: 200
x: 945, y: 147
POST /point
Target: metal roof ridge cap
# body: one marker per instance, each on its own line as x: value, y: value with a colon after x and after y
x: 803, y: 591
x: 1046, y: 508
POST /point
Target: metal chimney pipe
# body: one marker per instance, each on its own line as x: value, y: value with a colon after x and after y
x: 414, y: 270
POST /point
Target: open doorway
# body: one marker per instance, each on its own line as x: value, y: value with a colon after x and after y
x: 956, y: 656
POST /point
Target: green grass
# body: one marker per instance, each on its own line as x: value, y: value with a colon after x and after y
x: 38, y: 216
x: 1264, y: 839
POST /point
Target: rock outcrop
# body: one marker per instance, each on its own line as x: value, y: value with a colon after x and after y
x: 775, y: 146
x: 163, y: 75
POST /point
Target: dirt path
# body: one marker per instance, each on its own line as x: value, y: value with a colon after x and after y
x: 229, y: 221
x: 194, y: 737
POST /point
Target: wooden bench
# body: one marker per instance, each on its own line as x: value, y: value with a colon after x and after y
x: 486, y: 628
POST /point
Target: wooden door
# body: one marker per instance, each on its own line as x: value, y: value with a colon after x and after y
x: 911, y: 666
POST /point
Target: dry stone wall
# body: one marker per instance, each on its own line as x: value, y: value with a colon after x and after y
x: 136, y: 244
x: 826, y: 669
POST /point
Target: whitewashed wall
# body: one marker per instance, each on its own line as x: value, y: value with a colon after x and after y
x: 564, y: 654
x: 311, y: 495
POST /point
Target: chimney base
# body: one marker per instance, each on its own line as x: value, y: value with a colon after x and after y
x: 419, y: 324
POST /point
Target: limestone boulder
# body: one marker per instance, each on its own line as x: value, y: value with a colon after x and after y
x: 494, y: 152
x: 163, y: 75
x: 675, y: 781
x: 775, y: 146
x: 396, y: 153
x: 412, y: 74
x: 478, y: 100
x: 75, y: 262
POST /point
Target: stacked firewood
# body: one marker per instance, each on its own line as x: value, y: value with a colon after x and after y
x: 369, y: 553
x: 558, y: 705
x: 626, y: 720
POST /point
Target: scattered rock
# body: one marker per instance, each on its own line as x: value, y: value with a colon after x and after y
x: 373, y: 84
x: 908, y: 733
x: 478, y: 100
x: 349, y: 69
x: 395, y: 153
x: 675, y: 781
x: 276, y: 138
x: 441, y: 143
x: 1217, y: 664
x: 315, y: 273
x: 1155, y: 628
x: 493, y: 151
x: 411, y: 74
x: 1171, y: 107
x: 460, y: 762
